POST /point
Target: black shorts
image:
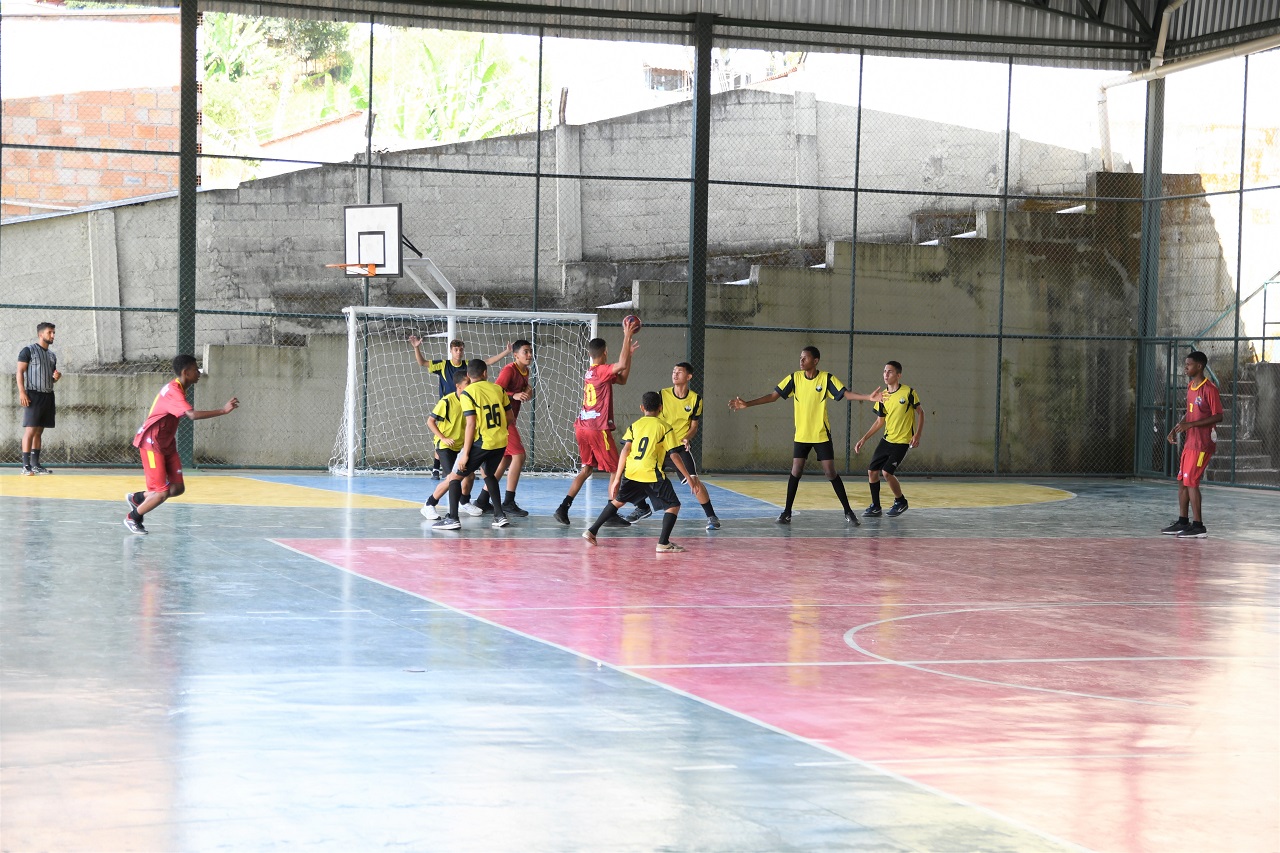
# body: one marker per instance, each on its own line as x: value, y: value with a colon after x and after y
x: 480, y: 458
x: 661, y: 494
x: 41, y: 411
x: 687, y: 458
x: 826, y: 451
x: 888, y: 456
x: 447, y: 458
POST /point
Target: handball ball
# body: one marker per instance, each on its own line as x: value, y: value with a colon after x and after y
x: 631, y: 320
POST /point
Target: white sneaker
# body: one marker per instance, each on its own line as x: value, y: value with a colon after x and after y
x: 429, y: 512
x: 670, y: 548
x: 470, y: 509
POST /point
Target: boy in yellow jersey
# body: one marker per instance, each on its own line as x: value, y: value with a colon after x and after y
x: 810, y: 388
x: 682, y: 409
x: 902, y: 417
x: 486, y: 408
x: 644, y: 447
x: 448, y: 426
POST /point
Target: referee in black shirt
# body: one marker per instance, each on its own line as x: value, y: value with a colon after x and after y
x: 37, y: 371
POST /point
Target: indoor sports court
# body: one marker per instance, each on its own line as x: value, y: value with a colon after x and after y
x: 297, y: 662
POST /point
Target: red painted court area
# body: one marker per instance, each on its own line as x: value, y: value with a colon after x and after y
x: 1115, y: 693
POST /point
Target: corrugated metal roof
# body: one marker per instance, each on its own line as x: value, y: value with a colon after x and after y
x: 1119, y: 34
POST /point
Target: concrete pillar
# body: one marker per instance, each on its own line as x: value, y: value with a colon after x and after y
x: 805, y: 116
x: 104, y: 277
x: 568, y: 194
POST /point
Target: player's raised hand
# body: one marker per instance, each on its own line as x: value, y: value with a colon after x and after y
x: 415, y: 341
x: 231, y: 406
x: 877, y: 395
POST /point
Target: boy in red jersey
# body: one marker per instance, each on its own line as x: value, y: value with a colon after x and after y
x: 594, y: 425
x: 514, y: 379
x: 1204, y: 409
x: 155, y: 441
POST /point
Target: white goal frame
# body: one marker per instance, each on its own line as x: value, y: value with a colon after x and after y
x: 451, y: 316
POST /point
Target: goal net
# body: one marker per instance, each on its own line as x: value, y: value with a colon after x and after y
x: 389, y: 396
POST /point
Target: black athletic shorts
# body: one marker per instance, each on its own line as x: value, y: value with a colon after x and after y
x: 448, y: 458
x: 826, y: 451
x: 480, y: 458
x: 40, y: 412
x: 661, y: 494
x: 888, y: 456
x: 687, y: 458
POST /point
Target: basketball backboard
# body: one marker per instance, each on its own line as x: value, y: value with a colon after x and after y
x: 372, y: 237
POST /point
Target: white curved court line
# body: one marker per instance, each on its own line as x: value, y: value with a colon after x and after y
x: 853, y: 644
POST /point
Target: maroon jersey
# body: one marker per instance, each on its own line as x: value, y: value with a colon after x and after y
x: 1202, y: 401
x: 597, y: 398
x: 511, y: 380
x: 158, y: 430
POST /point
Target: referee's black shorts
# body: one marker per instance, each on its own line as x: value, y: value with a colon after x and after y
x: 888, y: 456
x: 41, y: 411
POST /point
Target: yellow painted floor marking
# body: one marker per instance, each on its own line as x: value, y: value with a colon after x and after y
x: 218, y: 489
x: 816, y: 493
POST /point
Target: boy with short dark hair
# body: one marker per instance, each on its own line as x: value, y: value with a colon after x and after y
x: 900, y: 413
x: 486, y: 409
x: 1204, y: 410
x: 644, y: 447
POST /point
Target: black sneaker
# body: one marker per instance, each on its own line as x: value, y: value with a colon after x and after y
x: 511, y: 508
x: 500, y: 521
x: 435, y: 473
x: 898, y: 508
x: 447, y: 523
x: 128, y: 498
x: 617, y: 521
x: 40, y: 469
x: 785, y: 517
x: 852, y: 518
x: 561, y: 515
x: 1176, y: 528
x: 640, y: 513
x: 134, y: 526
x: 483, y: 503
x: 872, y: 511
x: 1195, y: 530
x: 713, y: 523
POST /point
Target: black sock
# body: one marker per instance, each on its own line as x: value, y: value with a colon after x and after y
x: 511, y: 496
x: 793, y: 483
x: 35, y: 458
x: 133, y: 513
x: 492, y: 484
x: 139, y: 497
x: 607, y: 513
x: 455, y: 497
x: 1182, y: 519
x: 875, y: 493
x: 668, y: 525
x: 709, y: 509
x: 566, y: 503
x: 838, y: 485
x: 483, y: 501
x: 431, y: 501
x: 26, y: 459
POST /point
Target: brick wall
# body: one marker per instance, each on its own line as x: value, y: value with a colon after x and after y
x: 140, y: 126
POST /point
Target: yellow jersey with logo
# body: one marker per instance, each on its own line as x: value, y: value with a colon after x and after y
x: 810, y: 397
x: 650, y: 439
x: 899, y: 412
x: 449, y: 419
x: 679, y: 411
x: 897, y: 409
x: 490, y: 405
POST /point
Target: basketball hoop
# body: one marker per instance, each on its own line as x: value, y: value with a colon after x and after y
x: 362, y: 269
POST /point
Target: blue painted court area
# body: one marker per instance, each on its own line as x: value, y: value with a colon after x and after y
x: 540, y: 495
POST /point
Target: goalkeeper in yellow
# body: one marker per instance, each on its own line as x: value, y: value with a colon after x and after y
x: 645, y: 447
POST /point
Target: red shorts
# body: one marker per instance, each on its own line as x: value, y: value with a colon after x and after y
x: 515, y: 447
x: 597, y: 448
x: 162, y: 470
x: 1191, y: 467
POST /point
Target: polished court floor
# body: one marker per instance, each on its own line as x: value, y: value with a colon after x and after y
x: 297, y: 662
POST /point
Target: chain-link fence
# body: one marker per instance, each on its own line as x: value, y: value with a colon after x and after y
x: 976, y: 221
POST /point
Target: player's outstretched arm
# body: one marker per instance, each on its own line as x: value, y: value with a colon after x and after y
x: 494, y: 359
x: 199, y: 415
x: 875, y: 427
x: 622, y: 368
x: 738, y: 404
x: 874, y: 397
x: 416, y: 343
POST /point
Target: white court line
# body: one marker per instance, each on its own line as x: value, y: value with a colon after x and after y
x: 894, y: 662
x: 592, y: 771
x: 350, y: 611
x: 724, y: 709
x: 695, y: 767
x: 853, y: 644
x: 264, y: 612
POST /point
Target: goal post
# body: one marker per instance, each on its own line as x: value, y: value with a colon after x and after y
x: 389, y: 396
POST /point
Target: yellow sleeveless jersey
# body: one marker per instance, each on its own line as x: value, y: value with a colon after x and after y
x: 489, y: 404
x: 678, y: 412
x: 650, y: 439
x: 810, y: 397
